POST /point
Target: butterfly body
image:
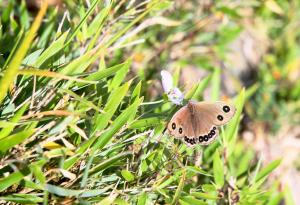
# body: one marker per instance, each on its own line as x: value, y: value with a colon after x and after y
x: 197, y: 122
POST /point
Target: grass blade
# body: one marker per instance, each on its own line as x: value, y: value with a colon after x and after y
x: 267, y: 170
x: 15, y: 63
x: 179, y: 188
x: 12, y: 140
x: 218, y: 170
x: 7, y: 130
x: 111, y: 106
x: 117, y: 124
x: 54, y: 48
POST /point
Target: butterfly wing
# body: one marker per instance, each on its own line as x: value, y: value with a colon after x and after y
x: 217, y: 113
x: 178, y: 124
x: 197, y: 121
x: 184, y: 125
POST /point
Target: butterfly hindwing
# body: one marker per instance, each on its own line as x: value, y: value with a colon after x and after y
x: 177, y: 125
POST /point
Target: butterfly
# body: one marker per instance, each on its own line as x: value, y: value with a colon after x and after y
x: 197, y: 122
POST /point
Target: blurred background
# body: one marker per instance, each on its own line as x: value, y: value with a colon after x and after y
x: 235, y: 44
x: 253, y: 44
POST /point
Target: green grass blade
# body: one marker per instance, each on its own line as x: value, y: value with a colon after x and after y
x: 146, y: 122
x: 83, y: 21
x: 81, y: 99
x: 7, y: 130
x: 117, y: 124
x: 191, y: 201
x: 120, y: 75
x: 267, y: 170
x: 108, y: 162
x: 136, y: 91
x: 142, y: 199
x: 80, y: 64
x: 127, y: 175
x: 62, y: 191
x: 111, y: 106
x: 18, y: 175
x: 97, y: 23
x: 208, y: 196
x: 218, y: 169
x: 12, y: 53
x: 95, y: 192
x: 196, y: 92
x: 99, y: 75
x: 13, y: 178
x: 170, y: 180
x: 179, y: 188
x: 54, y: 48
x: 137, y: 19
x: 12, y: 140
x: 22, y: 198
x: 233, y: 124
x: 15, y: 63
x: 37, y: 171
x: 106, y: 136
x: 5, y: 124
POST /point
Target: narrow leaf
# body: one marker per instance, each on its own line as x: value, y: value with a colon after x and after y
x: 14, y: 65
x: 12, y: 140
x: 218, y: 170
x: 267, y: 170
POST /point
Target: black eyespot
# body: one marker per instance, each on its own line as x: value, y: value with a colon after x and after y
x: 173, y: 126
x: 200, y: 139
x: 226, y: 108
x: 194, y: 141
x: 205, y: 138
x: 186, y: 138
x: 213, y: 132
x: 209, y: 135
x: 220, y: 117
x: 215, y: 128
x: 180, y: 130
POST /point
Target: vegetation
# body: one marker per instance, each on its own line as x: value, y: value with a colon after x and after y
x: 83, y: 115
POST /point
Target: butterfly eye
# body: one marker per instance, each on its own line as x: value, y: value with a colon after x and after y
x: 180, y: 130
x: 205, y: 138
x: 200, y: 139
x: 226, y: 108
x: 220, y: 117
x: 173, y: 126
x: 186, y: 138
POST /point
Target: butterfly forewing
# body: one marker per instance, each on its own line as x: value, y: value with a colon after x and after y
x: 218, y: 113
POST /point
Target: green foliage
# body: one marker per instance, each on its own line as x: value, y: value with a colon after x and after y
x: 79, y: 120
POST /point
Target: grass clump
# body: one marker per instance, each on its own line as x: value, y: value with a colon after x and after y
x: 80, y: 120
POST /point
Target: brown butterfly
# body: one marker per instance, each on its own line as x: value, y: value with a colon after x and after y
x: 197, y: 122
